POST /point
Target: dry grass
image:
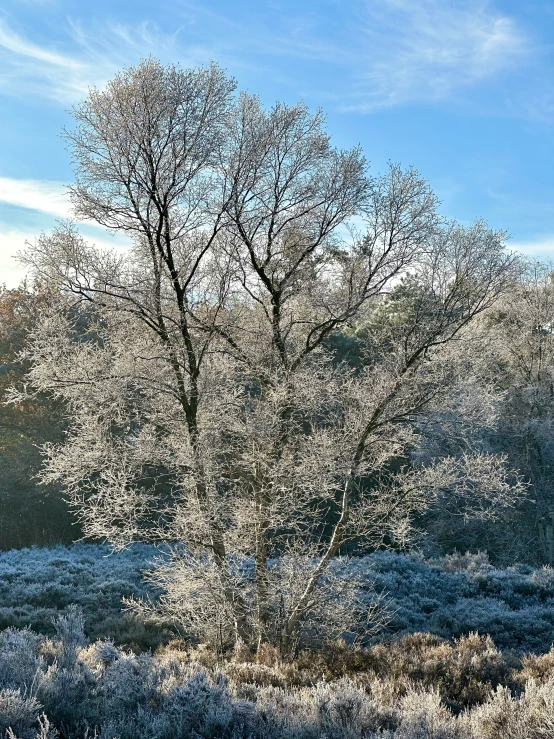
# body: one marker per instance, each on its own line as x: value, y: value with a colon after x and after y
x: 416, y: 687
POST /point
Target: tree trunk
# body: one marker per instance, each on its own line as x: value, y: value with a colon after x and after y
x: 262, y: 575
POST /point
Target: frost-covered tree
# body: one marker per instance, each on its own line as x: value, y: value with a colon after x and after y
x: 520, y: 363
x: 207, y: 409
x: 503, y: 403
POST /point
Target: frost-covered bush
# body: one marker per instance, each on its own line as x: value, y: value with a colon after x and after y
x: 18, y: 712
x: 417, y: 687
x: 449, y: 597
x: 455, y: 596
x: 503, y: 715
x: 37, y: 584
x: 424, y: 716
x: 463, y: 672
x: 20, y: 658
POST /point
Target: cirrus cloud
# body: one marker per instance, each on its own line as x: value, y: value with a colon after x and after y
x: 43, y: 196
x: 430, y: 49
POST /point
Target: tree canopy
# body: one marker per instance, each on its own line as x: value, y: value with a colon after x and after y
x: 208, y: 410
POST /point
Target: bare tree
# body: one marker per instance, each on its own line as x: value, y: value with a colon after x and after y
x: 207, y: 409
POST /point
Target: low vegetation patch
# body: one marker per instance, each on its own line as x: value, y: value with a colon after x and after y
x: 449, y: 597
x: 78, y: 665
x: 416, y: 686
x: 39, y: 584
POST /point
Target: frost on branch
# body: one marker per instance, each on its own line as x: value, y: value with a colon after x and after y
x: 207, y: 409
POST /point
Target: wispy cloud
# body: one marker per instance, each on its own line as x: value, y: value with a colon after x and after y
x: 12, y: 241
x: 29, y: 67
x: 391, y: 51
x: 89, y: 57
x: 540, y: 248
x: 383, y: 53
x: 430, y: 49
x: 43, y: 196
x: 120, y: 42
x: 12, y: 42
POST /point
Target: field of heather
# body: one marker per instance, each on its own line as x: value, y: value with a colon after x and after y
x: 74, y: 662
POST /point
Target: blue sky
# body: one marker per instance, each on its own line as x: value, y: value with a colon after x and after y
x: 461, y: 89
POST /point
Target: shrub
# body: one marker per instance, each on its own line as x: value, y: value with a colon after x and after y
x: 18, y: 712
x: 415, y: 687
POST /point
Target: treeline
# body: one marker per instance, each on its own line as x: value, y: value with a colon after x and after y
x: 30, y: 513
x: 502, y: 402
